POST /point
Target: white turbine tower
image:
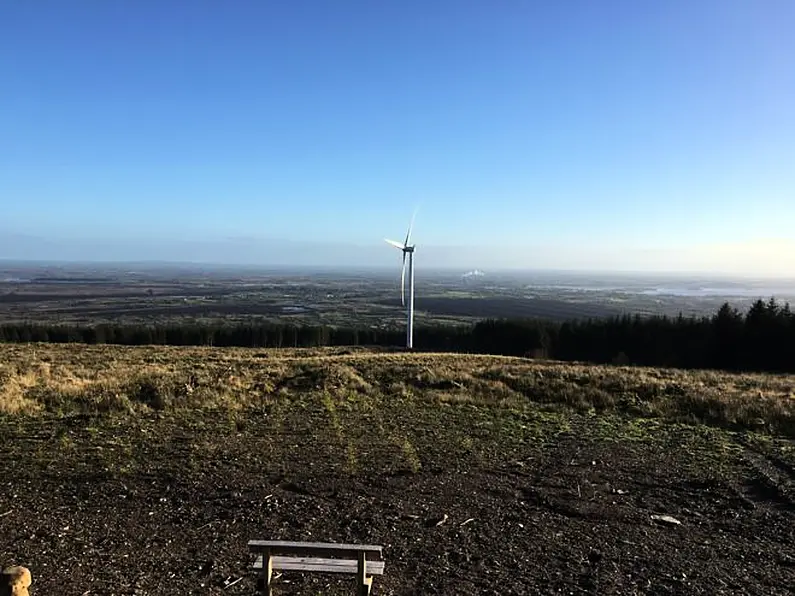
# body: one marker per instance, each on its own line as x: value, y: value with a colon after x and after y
x: 407, y: 250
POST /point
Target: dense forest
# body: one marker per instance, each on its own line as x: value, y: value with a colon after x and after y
x: 763, y: 339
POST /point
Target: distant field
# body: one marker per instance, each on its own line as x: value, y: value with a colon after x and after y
x: 130, y: 465
x: 184, y: 301
x: 497, y: 307
x: 82, y: 294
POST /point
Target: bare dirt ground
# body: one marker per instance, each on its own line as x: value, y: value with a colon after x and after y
x: 532, y: 497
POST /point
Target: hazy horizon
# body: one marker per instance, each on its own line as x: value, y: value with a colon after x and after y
x: 264, y: 253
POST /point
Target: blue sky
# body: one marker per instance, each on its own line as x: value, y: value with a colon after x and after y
x: 605, y: 135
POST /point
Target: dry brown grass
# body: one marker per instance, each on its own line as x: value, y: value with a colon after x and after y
x: 65, y: 379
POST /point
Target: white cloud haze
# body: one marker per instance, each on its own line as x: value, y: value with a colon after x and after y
x: 763, y: 258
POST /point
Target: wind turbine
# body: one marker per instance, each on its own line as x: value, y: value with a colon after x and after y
x: 407, y: 250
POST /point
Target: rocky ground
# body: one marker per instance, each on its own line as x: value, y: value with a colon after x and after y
x: 166, y: 505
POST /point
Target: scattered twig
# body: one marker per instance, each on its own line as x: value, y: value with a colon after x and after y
x: 229, y: 585
x: 471, y: 519
x: 666, y: 519
x: 6, y: 513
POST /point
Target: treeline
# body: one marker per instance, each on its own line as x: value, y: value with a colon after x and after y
x: 763, y: 339
x: 264, y: 335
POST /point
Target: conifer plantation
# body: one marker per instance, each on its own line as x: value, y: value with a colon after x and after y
x: 759, y: 340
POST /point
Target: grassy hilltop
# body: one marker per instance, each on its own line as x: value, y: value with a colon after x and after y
x: 135, y: 467
x: 65, y: 379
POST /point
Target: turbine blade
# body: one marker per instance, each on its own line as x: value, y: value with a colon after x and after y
x: 394, y: 243
x: 411, y: 225
x: 403, y: 282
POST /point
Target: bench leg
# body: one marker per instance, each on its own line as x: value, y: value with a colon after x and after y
x: 364, y: 583
x: 266, y: 575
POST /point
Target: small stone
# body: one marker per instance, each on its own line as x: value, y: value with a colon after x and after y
x: 15, y: 581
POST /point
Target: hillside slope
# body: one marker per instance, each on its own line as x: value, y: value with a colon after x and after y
x: 130, y: 469
x: 37, y: 378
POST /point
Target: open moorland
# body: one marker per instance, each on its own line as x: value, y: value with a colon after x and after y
x: 146, y: 470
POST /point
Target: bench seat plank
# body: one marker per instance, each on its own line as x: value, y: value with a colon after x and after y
x: 320, y: 565
x: 328, y: 549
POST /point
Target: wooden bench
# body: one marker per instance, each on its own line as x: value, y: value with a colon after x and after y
x: 363, y: 560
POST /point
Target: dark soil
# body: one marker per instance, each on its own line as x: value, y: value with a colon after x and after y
x: 557, y: 505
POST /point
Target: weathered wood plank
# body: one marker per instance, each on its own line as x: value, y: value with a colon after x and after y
x: 328, y: 549
x: 322, y: 565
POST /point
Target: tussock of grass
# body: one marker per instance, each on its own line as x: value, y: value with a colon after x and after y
x: 57, y: 379
x: 15, y: 392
